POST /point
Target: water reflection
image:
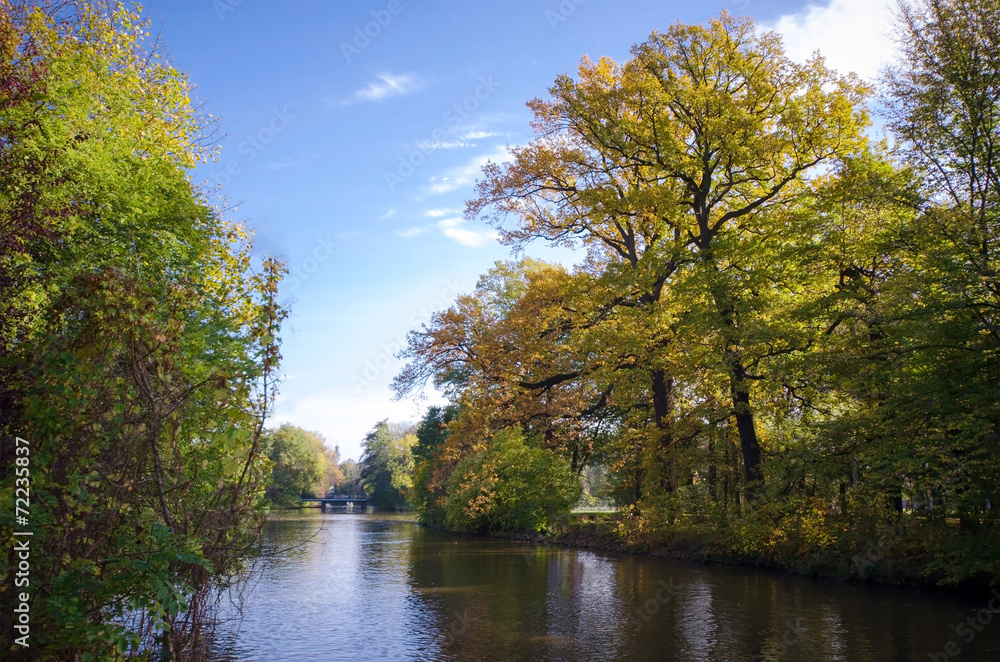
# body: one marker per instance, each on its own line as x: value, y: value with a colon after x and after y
x: 367, y: 588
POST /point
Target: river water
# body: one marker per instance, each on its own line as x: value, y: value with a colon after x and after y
x: 367, y: 587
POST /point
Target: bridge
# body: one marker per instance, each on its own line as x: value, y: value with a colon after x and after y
x: 348, y: 500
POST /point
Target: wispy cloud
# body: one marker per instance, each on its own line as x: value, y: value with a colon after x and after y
x: 455, y: 228
x: 465, y: 175
x: 868, y: 24
x: 467, y: 139
x: 477, y: 135
x: 452, y: 228
x: 388, y: 214
x: 387, y: 85
x: 436, y: 213
x: 279, y: 166
x: 443, y: 144
x: 412, y: 232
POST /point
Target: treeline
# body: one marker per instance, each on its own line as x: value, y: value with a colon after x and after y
x: 783, y: 341
x: 303, y: 466
x: 525, y: 487
x: 138, y: 348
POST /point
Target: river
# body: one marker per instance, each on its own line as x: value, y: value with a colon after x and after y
x: 367, y: 587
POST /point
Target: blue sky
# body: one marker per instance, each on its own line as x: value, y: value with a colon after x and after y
x: 355, y: 132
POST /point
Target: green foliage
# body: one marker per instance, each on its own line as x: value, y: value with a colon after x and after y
x: 352, y: 483
x: 138, y: 349
x: 387, y: 467
x: 428, y: 491
x: 511, y: 486
x: 299, y: 464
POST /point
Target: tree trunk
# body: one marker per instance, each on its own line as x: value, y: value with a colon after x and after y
x: 749, y: 443
x: 663, y: 403
x: 738, y: 383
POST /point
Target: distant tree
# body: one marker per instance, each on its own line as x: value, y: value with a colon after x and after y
x: 353, y: 483
x: 430, y: 477
x: 387, y: 465
x: 333, y: 478
x: 300, y: 464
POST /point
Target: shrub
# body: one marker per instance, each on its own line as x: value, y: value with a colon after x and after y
x: 511, y: 486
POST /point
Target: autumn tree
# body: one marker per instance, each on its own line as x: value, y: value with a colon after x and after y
x: 519, y: 352
x: 760, y: 280
x: 663, y: 165
x: 430, y: 475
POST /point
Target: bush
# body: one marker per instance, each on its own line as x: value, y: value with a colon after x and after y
x: 511, y: 486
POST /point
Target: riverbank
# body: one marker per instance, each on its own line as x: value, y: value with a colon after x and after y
x: 910, y: 554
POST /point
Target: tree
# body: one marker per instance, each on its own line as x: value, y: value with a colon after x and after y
x: 299, y: 464
x: 943, y: 305
x: 334, y: 478
x: 353, y: 483
x: 519, y: 351
x: 665, y: 164
x: 429, y: 476
x: 387, y: 465
x: 139, y: 362
x: 510, y: 486
x: 760, y: 281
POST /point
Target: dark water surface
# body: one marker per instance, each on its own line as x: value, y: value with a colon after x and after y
x: 365, y: 587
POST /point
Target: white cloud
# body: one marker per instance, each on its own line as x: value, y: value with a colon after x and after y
x: 388, y: 214
x: 386, y: 86
x: 452, y: 228
x: 437, y: 213
x: 279, y: 166
x: 443, y: 144
x: 465, y: 175
x: 412, y: 232
x: 853, y: 35
x: 465, y: 237
x: 476, y: 135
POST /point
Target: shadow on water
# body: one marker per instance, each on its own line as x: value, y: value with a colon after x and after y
x: 367, y: 587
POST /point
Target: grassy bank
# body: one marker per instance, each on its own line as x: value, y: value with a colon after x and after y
x: 908, y: 552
